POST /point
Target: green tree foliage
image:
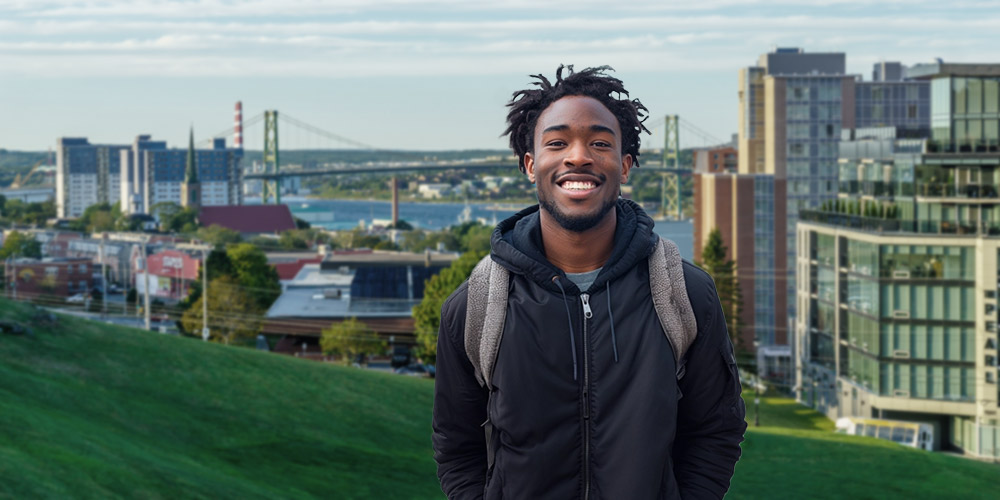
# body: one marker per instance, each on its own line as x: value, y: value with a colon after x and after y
x: 427, y: 314
x: 473, y: 236
x: 18, y: 244
x: 218, y: 235
x: 98, y: 217
x: 230, y: 312
x: 254, y: 274
x: 293, y: 239
x: 32, y: 214
x: 723, y: 271
x: 175, y: 218
x: 350, y: 338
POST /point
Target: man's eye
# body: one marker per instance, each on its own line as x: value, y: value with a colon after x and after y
x: 556, y: 143
x: 602, y: 144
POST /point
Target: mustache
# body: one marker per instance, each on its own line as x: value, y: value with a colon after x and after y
x: 600, y: 177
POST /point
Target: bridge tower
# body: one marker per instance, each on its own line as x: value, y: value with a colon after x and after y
x: 671, y: 187
x: 271, y: 186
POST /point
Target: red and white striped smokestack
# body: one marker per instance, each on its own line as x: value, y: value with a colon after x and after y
x: 238, y: 126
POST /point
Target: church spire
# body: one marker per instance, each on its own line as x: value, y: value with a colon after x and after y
x: 191, y: 169
x: 191, y: 189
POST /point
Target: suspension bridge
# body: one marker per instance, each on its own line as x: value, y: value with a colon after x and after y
x: 300, y: 135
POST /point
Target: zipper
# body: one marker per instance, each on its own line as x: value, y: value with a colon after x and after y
x: 587, y: 314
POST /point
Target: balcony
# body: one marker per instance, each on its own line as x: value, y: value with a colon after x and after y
x: 959, y: 147
x: 949, y: 190
x: 880, y: 225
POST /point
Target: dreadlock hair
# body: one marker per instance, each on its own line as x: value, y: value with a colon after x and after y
x: 526, y: 106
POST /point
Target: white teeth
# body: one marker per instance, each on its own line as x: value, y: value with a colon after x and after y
x: 577, y: 185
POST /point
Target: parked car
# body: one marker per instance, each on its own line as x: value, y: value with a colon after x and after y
x: 77, y: 299
x: 416, y: 370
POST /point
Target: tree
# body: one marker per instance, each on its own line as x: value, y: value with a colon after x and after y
x: 293, y: 239
x: 34, y: 214
x: 473, y: 236
x: 218, y: 235
x: 254, y: 274
x: 98, y: 217
x: 427, y: 314
x: 350, y: 338
x: 19, y: 244
x: 723, y: 271
x: 175, y: 218
x: 231, y: 312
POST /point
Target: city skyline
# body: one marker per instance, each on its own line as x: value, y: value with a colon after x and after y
x: 418, y: 75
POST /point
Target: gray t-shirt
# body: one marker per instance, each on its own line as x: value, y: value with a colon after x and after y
x: 584, y: 280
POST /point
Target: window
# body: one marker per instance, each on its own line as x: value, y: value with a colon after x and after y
x: 911, y: 111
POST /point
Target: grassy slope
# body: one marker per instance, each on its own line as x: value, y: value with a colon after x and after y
x: 88, y: 410
x: 795, y: 454
x: 94, y: 411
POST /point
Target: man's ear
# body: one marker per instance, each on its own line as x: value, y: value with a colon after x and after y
x: 626, y: 167
x: 529, y: 166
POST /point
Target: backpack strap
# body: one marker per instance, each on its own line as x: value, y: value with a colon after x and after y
x: 670, y: 299
x: 486, y: 310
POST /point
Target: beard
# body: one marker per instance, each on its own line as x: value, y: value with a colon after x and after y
x: 578, y: 223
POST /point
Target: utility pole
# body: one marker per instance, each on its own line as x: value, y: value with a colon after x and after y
x: 13, y: 263
x: 145, y: 278
x: 205, y: 332
x: 104, y: 279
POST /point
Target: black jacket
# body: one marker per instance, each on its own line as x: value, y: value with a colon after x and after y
x: 571, y: 421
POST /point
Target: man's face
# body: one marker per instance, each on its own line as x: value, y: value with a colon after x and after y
x: 577, y: 162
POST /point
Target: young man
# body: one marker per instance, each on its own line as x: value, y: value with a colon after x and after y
x: 585, y: 399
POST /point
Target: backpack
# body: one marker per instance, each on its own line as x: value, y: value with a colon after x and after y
x: 486, y: 308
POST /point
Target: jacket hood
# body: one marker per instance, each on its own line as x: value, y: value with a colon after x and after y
x: 517, y: 245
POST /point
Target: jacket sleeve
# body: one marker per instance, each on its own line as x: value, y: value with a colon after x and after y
x: 459, y: 409
x: 710, y: 413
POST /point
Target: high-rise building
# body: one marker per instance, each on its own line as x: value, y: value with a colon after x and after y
x: 897, y: 278
x: 792, y: 108
x: 86, y: 174
x: 157, y: 174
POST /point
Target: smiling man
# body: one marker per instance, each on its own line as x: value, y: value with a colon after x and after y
x: 615, y: 376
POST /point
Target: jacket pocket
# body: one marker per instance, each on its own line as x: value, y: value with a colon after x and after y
x: 494, y: 483
x: 733, y: 389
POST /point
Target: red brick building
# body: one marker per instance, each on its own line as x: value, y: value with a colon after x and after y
x: 57, y: 277
x: 716, y: 160
x: 725, y: 201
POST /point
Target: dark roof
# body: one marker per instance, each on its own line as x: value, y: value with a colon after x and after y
x: 249, y: 218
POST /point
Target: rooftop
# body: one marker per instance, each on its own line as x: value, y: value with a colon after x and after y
x: 249, y: 218
x: 312, y: 302
x: 941, y: 68
x: 378, y: 258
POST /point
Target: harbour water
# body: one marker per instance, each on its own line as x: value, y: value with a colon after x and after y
x: 349, y: 214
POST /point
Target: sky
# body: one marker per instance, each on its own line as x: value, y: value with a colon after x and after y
x: 421, y: 75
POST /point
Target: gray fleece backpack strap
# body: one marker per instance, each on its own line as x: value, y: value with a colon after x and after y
x: 670, y: 299
x: 486, y: 309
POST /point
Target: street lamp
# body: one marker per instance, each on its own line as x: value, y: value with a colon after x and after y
x: 756, y: 386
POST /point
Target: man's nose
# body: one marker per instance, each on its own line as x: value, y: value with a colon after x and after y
x: 578, y: 154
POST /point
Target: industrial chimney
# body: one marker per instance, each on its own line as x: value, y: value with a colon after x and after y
x: 238, y: 126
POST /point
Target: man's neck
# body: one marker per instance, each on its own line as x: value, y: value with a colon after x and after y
x: 578, y: 252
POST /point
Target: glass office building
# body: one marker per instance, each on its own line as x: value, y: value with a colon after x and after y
x: 897, y: 278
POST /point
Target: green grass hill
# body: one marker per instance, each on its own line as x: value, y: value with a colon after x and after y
x: 89, y: 410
